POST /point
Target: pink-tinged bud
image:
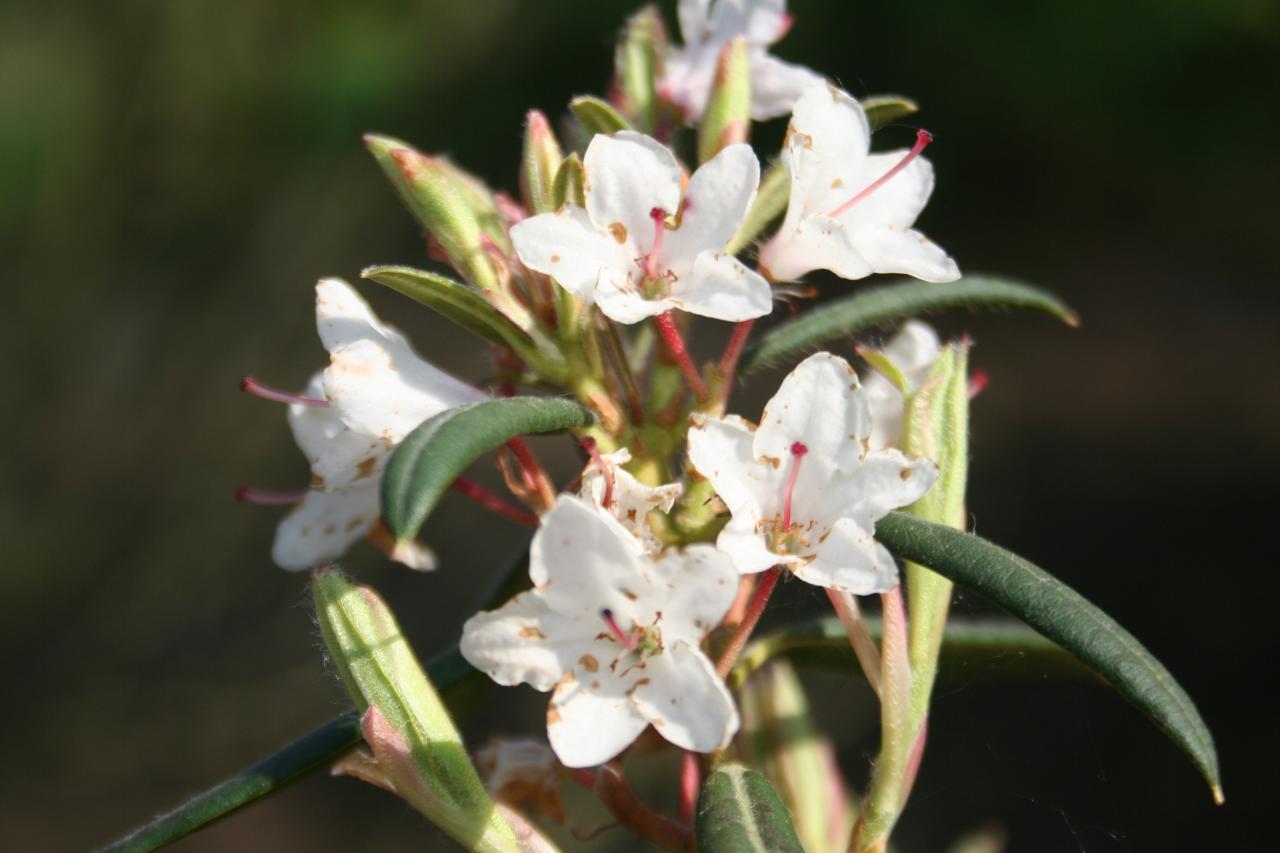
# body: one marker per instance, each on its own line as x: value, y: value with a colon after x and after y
x: 636, y: 68
x: 728, y: 116
x: 539, y: 164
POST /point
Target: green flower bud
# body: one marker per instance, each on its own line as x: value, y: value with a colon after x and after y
x: 728, y: 116
x: 539, y: 165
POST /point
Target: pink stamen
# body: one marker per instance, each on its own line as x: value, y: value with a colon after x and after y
x: 923, y: 138
x: 978, y: 383
x: 263, y: 497
x: 798, y: 450
x: 659, y: 217
x: 589, y: 445
x: 249, y: 385
x: 628, y: 642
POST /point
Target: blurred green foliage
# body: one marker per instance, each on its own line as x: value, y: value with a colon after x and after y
x: 175, y: 176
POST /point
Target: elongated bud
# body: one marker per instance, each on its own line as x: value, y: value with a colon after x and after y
x: 780, y: 739
x: 597, y: 116
x: 539, y: 164
x: 637, y: 64
x: 728, y: 116
x: 444, y: 205
x: 568, y: 186
x: 416, y: 747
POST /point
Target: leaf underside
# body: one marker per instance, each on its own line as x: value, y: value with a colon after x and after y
x: 432, y: 456
x: 893, y: 302
x: 740, y: 812
x: 1064, y: 616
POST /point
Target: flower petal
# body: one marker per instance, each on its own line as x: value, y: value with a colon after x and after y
x: 321, y: 528
x: 343, y: 317
x: 776, y: 86
x: 898, y: 201
x: 695, y: 20
x: 566, y: 246
x: 587, y: 727
x: 631, y: 501
x: 849, y: 559
x: 718, y: 197
x: 338, y: 455
x: 747, y: 547
x: 912, y: 351
x: 583, y: 561
x: 762, y: 21
x: 721, y: 449
x: 526, y: 642
x: 827, y: 143
x: 884, y: 480
x: 686, y: 701
x: 699, y: 585
x: 383, y: 389
x: 819, y: 404
x: 723, y: 288
x: 619, y: 298
x: 627, y: 175
x: 891, y: 250
x: 816, y: 242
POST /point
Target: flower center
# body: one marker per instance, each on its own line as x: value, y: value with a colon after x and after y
x: 923, y: 138
x: 249, y: 385
x: 639, y: 642
x: 783, y: 539
x: 659, y: 217
x: 628, y: 642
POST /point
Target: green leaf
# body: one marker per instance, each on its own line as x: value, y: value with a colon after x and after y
x: 568, y: 186
x: 771, y: 200
x: 598, y: 116
x: 1000, y: 648
x: 886, y: 109
x: 908, y: 298
x: 433, y: 455
x: 1064, y: 616
x: 740, y: 812
x: 415, y: 743
x: 455, y: 301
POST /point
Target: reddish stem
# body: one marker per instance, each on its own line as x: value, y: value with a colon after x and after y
x: 494, y: 503
x: 675, y: 345
x: 733, y: 352
x: 535, y: 479
x: 755, y: 607
x: 690, y: 782
x: 589, y: 445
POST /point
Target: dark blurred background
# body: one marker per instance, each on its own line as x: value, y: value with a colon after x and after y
x: 175, y: 176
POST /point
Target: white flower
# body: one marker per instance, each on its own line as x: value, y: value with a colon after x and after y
x: 518, y: 770
x: 622, y: 253
x: 630, y: 501
x: 912, y: 351
x: 616, y: 632
x: 804, y: 489
x: 377, y: 390
x: 827, y: 155
x: 706, y: 28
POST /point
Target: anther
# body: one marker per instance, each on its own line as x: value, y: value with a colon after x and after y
x: 263, y: 497
x: 627, y: 642
x: 923, y: 138
x: 798, y: 451
x: 249, y: 385
x: 978, y: 383
x: 659, y: 217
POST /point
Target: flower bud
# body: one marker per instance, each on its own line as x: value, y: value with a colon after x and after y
x: 539, y: 164
x: 636, y: 64
x: 569, y: 182
x: 728, y: 116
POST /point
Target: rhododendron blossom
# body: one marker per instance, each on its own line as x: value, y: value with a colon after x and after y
x: 804, y: 488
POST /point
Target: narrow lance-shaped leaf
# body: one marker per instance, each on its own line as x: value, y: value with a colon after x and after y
x: 870, y: 308
x: 886, y: 109
x: 417, y: 750
x: 740, y: 812
x: 432, y: 456
x: 1064, y: 616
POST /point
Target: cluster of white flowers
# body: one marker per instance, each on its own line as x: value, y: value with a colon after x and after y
x: 615, y: 623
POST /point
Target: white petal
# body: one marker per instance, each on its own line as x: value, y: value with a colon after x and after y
x: 342, y: 316
x: 723, y: 288
x: 686, y: 701
x: 631, y: 501
x: 816, y: 242
x: 695, y: 19
x: 688, y: 76
x: 588, y: 727
x: 383, y: 389
x: 890, y: 250
x: 898, y: 201
x: 912, y: 351
x: 618, y: 298
x: 827, y: 143
x: 715, y: 202
x: 338, y: 455
x: 321, y: 528
x: 761, y: 21
x: 721, y: 450
x: 747, y: 547
x: 626, y: 176
x: 525, y: 642
x: 849, y: 559
x: 584, y: 561
x: 699, y: 585
x: 885, y: 480
x: 776, y: 86
x: 566, y: 246
x: 820, y: 405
